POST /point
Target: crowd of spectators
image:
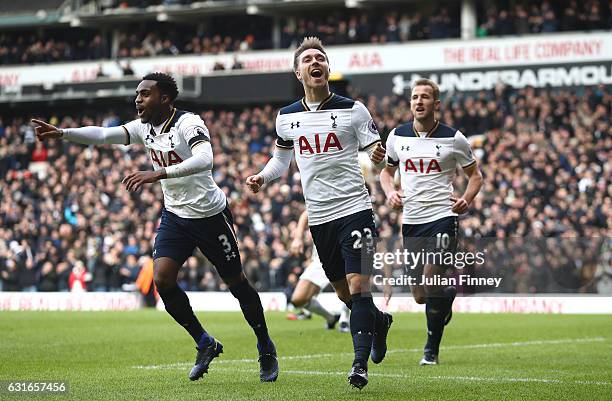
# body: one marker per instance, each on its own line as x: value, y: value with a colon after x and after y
x: 144, y: 41
x: 176, y: 40
x: 334, y: 27
x: 531, y: 16
x: 342, y: 27
x: 545, y: 156
x: 36, y: 48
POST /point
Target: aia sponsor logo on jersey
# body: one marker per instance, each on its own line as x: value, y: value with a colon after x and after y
x: 422, y: 166
x: 171, y: 158
x: 322, y: 144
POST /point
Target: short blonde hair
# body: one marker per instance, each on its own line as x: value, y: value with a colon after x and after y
x: 310, y: 42
x: 430, y: 83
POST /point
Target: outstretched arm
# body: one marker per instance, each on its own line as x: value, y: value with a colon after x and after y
x: 91, y: 135
x: 277, y: 165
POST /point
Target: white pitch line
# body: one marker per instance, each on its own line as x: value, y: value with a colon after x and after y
x: 513, y: 344
x: 450, y: 347
x: 244, y: 360
x: 432, y: 378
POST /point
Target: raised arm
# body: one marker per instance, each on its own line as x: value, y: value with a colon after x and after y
x: 196, y: 135
x: 367, y: 134
x: 276, y: 166
x: 91, y: 135
x: 201, y: 160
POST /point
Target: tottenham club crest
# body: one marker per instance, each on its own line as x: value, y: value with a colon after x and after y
x: 333, y: 117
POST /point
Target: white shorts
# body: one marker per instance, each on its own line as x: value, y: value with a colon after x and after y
x: 314, y: 272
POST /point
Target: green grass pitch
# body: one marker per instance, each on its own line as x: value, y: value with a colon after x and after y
x: 144, y: 355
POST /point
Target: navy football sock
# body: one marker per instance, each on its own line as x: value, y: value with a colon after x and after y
x: 177, y: 305
x: 362, y: 327
x: 435, y: 311
x: 449, y: 292
x: 250, y: 303
x: 379, y: 319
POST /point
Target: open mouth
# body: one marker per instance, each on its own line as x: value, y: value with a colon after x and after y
x: 140, y: 111
x: 316, y: 73
x: 420, y: 109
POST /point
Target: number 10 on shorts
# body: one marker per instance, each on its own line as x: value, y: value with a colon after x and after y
x: 442, y: 240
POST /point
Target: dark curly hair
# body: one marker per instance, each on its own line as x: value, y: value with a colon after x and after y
x: 165, y: 83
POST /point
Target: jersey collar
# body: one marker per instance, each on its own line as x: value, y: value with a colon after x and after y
x: 430, y: 132
x: 169, y: 122
x: 166, y: 127
x: 323, y: 103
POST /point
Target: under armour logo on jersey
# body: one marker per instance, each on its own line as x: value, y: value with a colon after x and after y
x: 438, y: 147
x: 333, y: 117
x: 230, y: 256
x: 149, y: 139
x: 405, y: 147
x: 296, y: 124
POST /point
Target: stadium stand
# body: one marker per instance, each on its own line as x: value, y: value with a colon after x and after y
x: 251, y: 32
x: 546, y: 157
x: 545, y: 152
x: 530, y: 17
x: 22, y: 7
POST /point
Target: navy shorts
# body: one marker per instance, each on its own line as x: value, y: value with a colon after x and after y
x: 177, y: 238
x: 438, y: 236
x: 345, y: 245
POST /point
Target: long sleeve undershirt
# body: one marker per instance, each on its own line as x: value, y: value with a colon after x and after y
x: 277, y: 165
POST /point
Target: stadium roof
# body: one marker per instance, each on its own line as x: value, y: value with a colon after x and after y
x: 84, y: 13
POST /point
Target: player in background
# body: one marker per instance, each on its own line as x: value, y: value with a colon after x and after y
x: 427, y: 153
x: 312, y: 281
x: 195, y: 213
x: 326, y: 131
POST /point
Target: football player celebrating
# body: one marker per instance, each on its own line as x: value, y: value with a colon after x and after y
x: 427, y: 153
x: 195, y: 213
x: 326, y: 132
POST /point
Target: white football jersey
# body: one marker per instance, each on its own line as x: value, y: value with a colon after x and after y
x: 194, y: 196
x: 427, y: 163
x: 326, y: 143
